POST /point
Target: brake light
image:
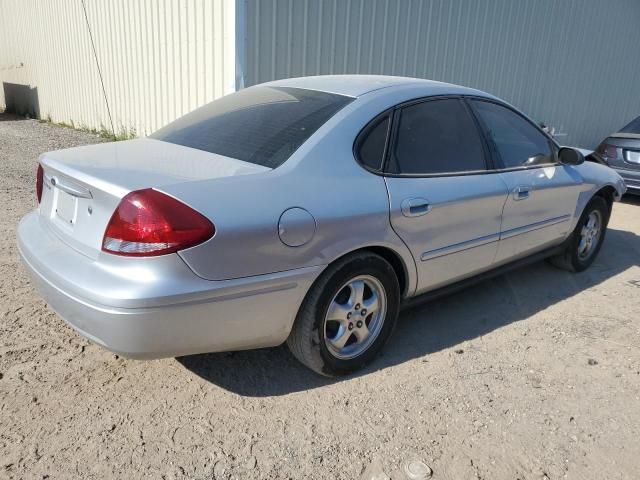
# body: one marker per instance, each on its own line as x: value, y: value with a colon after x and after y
x: 607, y: 151
x: 39, y: 182
x: 149, y: 223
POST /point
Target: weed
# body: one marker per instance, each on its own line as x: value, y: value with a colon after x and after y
x: 123, y: 133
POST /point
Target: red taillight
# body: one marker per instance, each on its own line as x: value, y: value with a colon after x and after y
x: 148, y: 223
x: 607, y: 151
x: 39, y: 181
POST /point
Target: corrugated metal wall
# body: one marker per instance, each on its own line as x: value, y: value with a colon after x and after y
x: 573, y: 64
x: 159, y: 59
x: 570, y: 63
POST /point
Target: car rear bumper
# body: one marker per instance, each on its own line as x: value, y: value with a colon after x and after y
x: 631, y: 179
x: 157, y: 307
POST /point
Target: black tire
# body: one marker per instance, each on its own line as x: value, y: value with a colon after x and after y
x: 570, y: 259
x: 307, y: 338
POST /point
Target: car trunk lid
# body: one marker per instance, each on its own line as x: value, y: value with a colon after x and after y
x: 622, y: 150
x: 83, y: 185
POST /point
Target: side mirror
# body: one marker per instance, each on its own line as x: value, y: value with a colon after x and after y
x: 570, y: 156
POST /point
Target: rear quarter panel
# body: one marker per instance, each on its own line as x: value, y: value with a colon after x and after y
x: 349, y: 204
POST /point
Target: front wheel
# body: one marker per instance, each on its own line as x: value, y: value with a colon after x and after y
x: 586, y: 240
x: 347, y: 316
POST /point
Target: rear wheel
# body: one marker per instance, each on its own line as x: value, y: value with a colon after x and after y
x: 347, y: 316
x: 586, y: 240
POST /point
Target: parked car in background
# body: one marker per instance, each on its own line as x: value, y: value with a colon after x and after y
x: 304, y: 210
x: 621, y: 151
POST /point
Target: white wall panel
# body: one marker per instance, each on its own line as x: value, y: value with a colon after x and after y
x: 159, y: 58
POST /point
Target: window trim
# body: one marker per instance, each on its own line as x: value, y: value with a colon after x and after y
x: 492, y: 163
x: 362, y: 135
x: 497, y: 160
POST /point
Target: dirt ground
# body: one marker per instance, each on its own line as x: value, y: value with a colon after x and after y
x: 532, y: 375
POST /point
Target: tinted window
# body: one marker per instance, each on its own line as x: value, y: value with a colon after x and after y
x: 434, y: 137
x: 633, y: 127
x: 371, y: 147
x: 262, y: 125
x: 516, y: 141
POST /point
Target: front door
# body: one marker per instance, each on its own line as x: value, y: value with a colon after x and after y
x: 443, y: 202
x: 542, y: 193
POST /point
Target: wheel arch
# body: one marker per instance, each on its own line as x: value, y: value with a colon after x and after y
x: 396, y: 262
x: 608, y: 193
x: 406, y: 277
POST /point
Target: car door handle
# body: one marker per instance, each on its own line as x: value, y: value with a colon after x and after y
x: 521, y: 192
x: 415, y: 207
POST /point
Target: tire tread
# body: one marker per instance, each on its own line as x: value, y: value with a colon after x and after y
x: 304, y: 341
x: 568, y: 259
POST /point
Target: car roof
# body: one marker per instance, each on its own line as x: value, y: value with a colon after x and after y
x: 357, y: 85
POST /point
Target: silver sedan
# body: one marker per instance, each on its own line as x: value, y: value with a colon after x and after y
x: 304, y: 210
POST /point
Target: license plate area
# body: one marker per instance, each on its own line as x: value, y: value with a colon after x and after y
x: 66, y: 209
x: 632, y: 156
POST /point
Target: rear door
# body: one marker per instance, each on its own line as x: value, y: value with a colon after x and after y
x: 444, y: 202
x: 543, y: 193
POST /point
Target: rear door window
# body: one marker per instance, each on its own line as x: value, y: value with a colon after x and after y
x: 436, y: 136
x: 260, y: 125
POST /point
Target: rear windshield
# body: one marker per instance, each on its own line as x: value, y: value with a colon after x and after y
x: 633, y: 127
x: 261, y: 125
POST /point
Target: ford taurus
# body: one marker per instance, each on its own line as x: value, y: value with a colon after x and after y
x: 304, y: 210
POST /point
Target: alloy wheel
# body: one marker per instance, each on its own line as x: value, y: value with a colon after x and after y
x: 355, y: 317
x: 590, y: 235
